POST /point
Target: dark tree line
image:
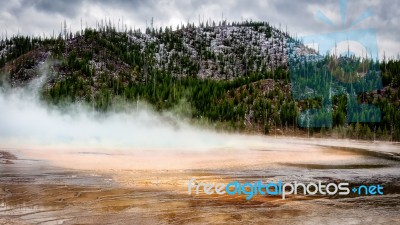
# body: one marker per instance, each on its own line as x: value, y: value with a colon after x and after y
x: 103, y: 67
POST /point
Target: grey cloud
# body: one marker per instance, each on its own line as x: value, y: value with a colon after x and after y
x: 66, y: 8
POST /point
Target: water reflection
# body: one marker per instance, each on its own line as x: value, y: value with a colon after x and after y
x: 63, y: 187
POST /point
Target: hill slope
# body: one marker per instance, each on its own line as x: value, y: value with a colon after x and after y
x: 232, y: 75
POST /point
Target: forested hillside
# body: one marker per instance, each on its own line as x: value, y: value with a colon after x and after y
x: 233, y: 76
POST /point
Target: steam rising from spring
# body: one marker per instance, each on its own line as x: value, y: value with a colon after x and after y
x: 26, y: 122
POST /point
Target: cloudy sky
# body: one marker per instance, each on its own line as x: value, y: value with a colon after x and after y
x: 43, y: 16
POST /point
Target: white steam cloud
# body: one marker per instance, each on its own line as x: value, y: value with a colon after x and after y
x: 28, y: 123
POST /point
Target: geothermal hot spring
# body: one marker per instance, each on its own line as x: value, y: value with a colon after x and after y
x: 75, y: 166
